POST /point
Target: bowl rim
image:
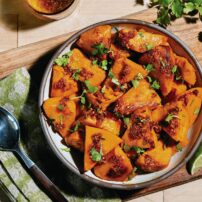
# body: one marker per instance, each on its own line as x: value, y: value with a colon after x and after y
x: 50, y: 141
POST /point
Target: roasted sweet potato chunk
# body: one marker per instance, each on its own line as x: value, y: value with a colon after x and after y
x: 98, y: 143
x: 140, y: 132
x: 158, y: 113
x: 117, y: 52
x: 97, y: 35
x: 186, y: 69
x: 135, y: 98
x: 102, y: 120
x: 140, y: 41
x: 155, y: 159
x: 163, y: 61
x: 176, y: 122
x: 62, y: 84
x: 61, y: 112
x: 88, y: 71
x: 103, y: 98
x: 116, y: 167
x: 75, y: 140
x: 191, y: 100
x: 126, y: 70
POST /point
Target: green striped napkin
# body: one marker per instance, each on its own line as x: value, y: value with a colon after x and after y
x: 19, y: 94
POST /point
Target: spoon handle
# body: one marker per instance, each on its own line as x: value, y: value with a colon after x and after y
x: 50, y: 189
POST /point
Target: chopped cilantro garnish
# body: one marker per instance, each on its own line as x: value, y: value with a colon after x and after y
x: 126, y: 148
x: 94, y: 62
x: 135, y: 82
x: 90, y: 88
x: 179, y: 147
x: 155, y: 85
x: 149, y: 79
x: 67, y: 149
x: 170, y: 117
x: 60, y: 107
x: 196, y: 111
x: 76, y: 127
x: 138, y: 150
x: 75, y: 75
x: 149, y: 68
x: 141, y: 34
x: 100, y: 49
x: 63, y: 60
x: 95, y: 155
x: 103, y: 89
x: 103, y: 64
x: 126, y: 120
x: 149, y: 47
x: 174, y: 69
x: 114, y: 79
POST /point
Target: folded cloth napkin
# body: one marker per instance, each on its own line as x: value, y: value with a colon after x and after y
x: 19, y: 95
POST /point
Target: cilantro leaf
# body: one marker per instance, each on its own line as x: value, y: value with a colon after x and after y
x: 138, y: 150
x: 99, y: 50
x: 155, y: 85
x: 149, y: 68
x: 95, y: 155
x: 196, y: 111
x: 67, y: 149
x: 135, y: 83
x: 63, y: 60
x: 126, y: 120
x: 91, y: 89
x: 60, y: 107
x: 75, y: 75
x: 174, y: 69
x: 177, y: 8
x: 170, y: 117
x: 179, y: 147
x: 113, y: 77
x: 189, y: 7
x: 76, y: 127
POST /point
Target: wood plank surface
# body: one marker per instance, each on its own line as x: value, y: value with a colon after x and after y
x: 34, y: 53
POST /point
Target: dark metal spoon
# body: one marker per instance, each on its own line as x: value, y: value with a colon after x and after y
x: 9, y: 141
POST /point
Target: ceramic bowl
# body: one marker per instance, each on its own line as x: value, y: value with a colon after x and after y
x: 139, y: 181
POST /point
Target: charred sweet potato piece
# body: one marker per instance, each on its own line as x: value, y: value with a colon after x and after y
x: 116, y: 167
x: 136, y: 98
x: 98, y: 143
x: 61, y: 112
x: 102, y: 120
x: 88, y: 71
x: 98, y: 35
x: 176, y: 122
x: 140, y: 41
x: 126, y: 70
x: 186, y: 69
x: 163, y: 61
x: 75, y: 140
x: 140, y: 132
x: 191, y: 100
x: 103, y: 98
x: 117, y: 52
x: 155, y: 159
x: 62, y: 84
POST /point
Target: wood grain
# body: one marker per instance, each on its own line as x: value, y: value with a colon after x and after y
x: 31, y: 54
x: 23, y: 56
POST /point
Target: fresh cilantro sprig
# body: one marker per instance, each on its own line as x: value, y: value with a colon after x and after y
x: 171, y: 9
x: 90, y: 88
x: 96, y: 155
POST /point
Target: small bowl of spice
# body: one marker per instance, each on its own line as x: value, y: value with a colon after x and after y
x: 52, y: 9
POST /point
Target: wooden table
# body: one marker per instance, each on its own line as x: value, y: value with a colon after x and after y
x: 18, y: 28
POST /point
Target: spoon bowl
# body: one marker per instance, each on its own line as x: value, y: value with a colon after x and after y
x: 9, y: 131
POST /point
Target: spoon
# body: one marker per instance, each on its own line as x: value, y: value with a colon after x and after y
x: 9, y: 141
